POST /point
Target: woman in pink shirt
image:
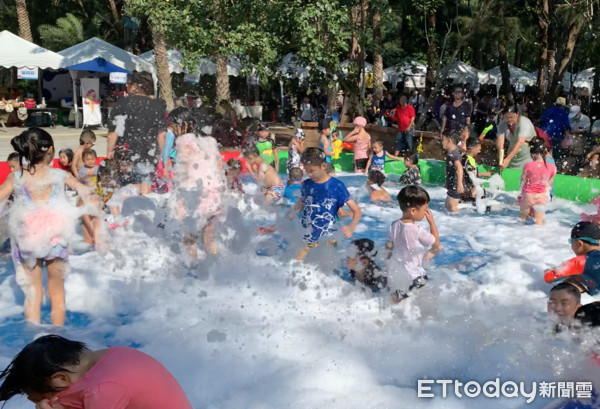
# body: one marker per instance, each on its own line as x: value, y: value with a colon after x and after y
x: 362, y: 144
x: 536, y: 182
x: 57, y: 373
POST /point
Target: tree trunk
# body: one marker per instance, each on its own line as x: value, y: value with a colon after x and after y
x: 23, y: 19
x: 352, y: 106
x: 543, y: 17
x: 517, y: 59
x: 377, y: 59
x: 114, y: 10
x: 566, y: 55
x: 331, y: 96
x: 506, y: 88
x: 222, y: 88
x: 162, y: 69
x: 432, y: 56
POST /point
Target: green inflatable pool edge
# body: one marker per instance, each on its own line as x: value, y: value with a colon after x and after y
x: 573, y: 188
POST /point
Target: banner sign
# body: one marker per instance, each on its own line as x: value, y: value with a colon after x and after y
x: 118, y: 78
x: 25, y: 73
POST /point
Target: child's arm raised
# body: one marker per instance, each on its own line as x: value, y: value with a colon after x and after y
x: 7, y: 187
x: 356, y: 213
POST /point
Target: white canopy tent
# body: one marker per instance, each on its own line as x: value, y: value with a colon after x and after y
x: 205, y: 66
x: 463, y: 73
x: 291, y: 67
x: 518, y: 77
x: 344, y: 67
x: 96, y: 50
x: 584, y: 80
x: 411, y: 72
x: 17, y: 52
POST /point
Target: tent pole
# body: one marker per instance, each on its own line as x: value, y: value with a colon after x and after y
x: 75, y: 104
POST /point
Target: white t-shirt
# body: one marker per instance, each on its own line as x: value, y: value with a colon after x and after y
x: 596, y: 126
x: 411, y: 244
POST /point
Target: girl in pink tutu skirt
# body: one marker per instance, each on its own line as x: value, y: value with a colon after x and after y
x: 198, y: 180
x: 42, y: 221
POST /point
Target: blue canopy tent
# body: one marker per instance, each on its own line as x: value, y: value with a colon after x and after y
x: 97, y: 65
x: 94, y: 65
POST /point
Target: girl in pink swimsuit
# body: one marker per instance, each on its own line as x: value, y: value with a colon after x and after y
x: 42, y: 222
x: 362, y: 144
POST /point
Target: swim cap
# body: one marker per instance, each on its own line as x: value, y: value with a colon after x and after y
x: 360, y: 121
x: 586, y: 231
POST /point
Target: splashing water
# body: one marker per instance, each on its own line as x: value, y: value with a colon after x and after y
x: 246, y: 331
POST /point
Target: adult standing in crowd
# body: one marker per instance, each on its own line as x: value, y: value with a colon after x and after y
x: 578, y: 142
x: 137, y: 123
x: 404, y: 116
x: 519, y: 131
x: 417, y: 101
x: 457, y: 116
x: 555, y: 122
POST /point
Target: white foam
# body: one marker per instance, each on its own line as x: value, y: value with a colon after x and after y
x: 245, y: 331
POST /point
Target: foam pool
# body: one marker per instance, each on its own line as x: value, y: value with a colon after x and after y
x: 249, y: 331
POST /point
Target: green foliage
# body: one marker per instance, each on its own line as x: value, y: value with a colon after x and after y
x: 66, y: 32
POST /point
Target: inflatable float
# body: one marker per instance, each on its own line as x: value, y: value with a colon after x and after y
x: 576, y: 189
x: 573, y: 270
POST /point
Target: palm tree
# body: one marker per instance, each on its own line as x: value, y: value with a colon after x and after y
x: 66, y: 32
x: 162, y: 68
x: 23, y: 19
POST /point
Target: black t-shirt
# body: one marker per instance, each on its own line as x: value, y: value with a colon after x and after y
x: 138, y: 120
x: 456, y: 117
x: 451, y: 176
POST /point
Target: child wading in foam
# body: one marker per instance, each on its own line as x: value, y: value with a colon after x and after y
x: 265, y: 174
x: 412, y: 176
x: 198, y: 181
x: 362, y: 144
x: 293, y: 190
x: 65, y: 159
x: 409, y: 244
x: 322, y: 197
x: 42, y: 222
x: 377, y: 192
x: 564, y: 300
x: 376, y: 161
x: 454, y: 173
x: 536, y: 181
x: 87, y: 139
x: 57, y: 373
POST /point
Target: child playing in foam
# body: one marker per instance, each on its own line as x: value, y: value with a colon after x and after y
x: 42, y: 221
x: 297, y: 146
x: 563, y: 302
x: 412, y: 176
x: 13, y: 162
x: 377, y: 159
x: 232, y: 173
x: 198, y: 181
x: 408, y: 244
x: 265, y: 174
x: 87, y: 139
x: 65, y: 160
x: 362, y: 144
x: 322, y: 197
x: 293, y: 189
x: 377, y: 192
x: 536, y: 181
x: 57, y: 373
x: 88, y: 173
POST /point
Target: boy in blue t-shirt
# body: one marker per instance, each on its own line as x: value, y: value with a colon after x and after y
x: 321, y: 198
x: 293, y: 190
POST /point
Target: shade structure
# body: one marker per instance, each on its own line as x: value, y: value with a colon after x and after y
x: 97, y: 65
x: 96, y: 48
x: 518, y: 76
x: 17, y: 52
x: 205, y: 66
x: 292, y: 67
x: 344, y: 67
x: 462, y: 73
x: 410, y: 70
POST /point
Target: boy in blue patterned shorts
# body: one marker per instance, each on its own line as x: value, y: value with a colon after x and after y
x: 321, y: 198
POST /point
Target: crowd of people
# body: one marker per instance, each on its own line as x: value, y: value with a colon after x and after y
x: 177, y: 154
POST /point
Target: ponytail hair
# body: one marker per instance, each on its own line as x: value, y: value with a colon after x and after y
x: 32, y: 146
x: 537, y: 146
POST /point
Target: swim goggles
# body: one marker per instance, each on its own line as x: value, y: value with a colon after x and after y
x: 588, y: 240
